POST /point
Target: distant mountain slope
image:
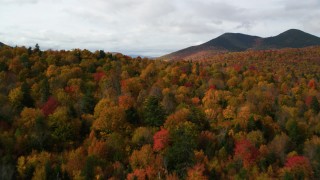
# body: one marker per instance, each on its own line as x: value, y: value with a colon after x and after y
x: 292, y: 38
x: 1, y: 44
x: 233, y: 42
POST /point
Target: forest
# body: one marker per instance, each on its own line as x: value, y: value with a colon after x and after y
x: 77, y: 114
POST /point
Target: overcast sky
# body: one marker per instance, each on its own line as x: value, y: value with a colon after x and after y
x: 147, y: 27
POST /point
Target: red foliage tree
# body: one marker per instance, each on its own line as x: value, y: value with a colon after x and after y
x: 237, y: 67
x: 195, y: 100
x: 160, y: 139
x: 70, y: 89
x: 50, y: 106
x: 297, y: 161
x: 98, y: 76
x: 246, y: 151
x: 188, y: 84
x: 297, y: 166
x: 252, y: 68
x: 312, y: 84
x: 213, y: 87
x: 142, y: 174
x: 308, y: 100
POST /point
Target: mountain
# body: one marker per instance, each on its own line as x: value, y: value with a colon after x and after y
x: 232, y: 42
x: 292, y: 38
x: 1, y: 44
x: 235, y: 42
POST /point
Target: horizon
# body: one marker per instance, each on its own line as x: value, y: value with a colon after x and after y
x: 147, y: 56
x: 147, y: 28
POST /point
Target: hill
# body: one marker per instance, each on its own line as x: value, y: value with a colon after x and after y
x: 292, y: 38
x: 236, y: 42
x: 233, y: 42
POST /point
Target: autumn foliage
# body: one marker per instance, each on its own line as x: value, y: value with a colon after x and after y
x: 98, y: 76
x: 197, y: 172
x: 49, y: 107
x: 77, y: 114
x: 246, y: 151
x: 296, y: 162
x: 298, y: 167
x: 160, y: 139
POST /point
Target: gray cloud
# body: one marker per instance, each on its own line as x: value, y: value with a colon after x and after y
x: 147, y: 27
x: 245, y: 25
x: 18, y: 1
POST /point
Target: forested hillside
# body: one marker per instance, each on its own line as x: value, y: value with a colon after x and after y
x: 237, y: 42
x: 83, y: 115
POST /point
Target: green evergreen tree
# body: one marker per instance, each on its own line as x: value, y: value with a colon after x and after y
x: 315, y: 105
x: 88, y: 103
x: 180, y: 154
x: 44, y: 90
x: 132, y: 115
x: 27, y: 100
x: 88, y: 171
x: 154, y: 114
x: 296, y: 134
x: 101, y: 54
x: 251, y: 124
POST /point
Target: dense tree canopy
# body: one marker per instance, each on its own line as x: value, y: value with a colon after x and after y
x: 82, y: 115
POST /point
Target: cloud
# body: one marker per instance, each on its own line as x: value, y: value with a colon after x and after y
x: 296, y: 5
x: 245, y: 25
x: 18, y: 1
x: 150, y: 27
